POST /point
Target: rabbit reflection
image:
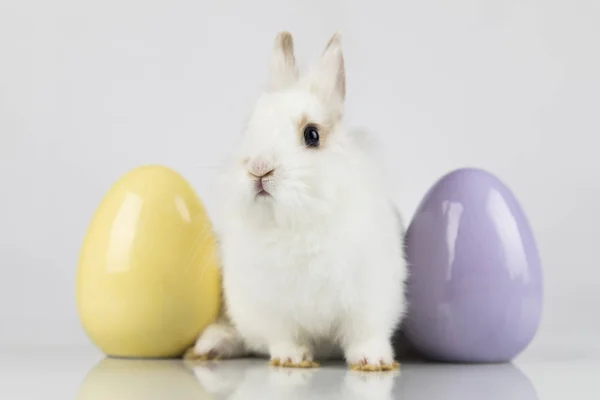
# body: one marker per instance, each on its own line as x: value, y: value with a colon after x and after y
x: 245, y: 379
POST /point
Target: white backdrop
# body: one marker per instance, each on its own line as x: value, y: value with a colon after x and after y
x: 89, y: 90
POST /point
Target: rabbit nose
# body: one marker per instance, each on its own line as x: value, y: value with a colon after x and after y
x: 262, y: 174
x: 260, y: 169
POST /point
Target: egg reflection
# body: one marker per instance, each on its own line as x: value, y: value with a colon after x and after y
x: 120, y: 379
x: 464, y: 382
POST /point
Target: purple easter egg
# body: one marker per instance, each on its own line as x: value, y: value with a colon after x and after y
x: 475, y: 285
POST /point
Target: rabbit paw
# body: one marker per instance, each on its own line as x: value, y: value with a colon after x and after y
x: 291, y: 356
x: 372, y: 356
x: 368, y: 365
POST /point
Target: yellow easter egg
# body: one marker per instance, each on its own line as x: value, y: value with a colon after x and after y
x: 148, y: 280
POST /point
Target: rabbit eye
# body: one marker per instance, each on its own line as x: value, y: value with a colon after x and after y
x: 311, y: 136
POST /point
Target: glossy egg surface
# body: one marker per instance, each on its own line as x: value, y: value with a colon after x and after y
x: 148, y: 280
x: 475, y: 287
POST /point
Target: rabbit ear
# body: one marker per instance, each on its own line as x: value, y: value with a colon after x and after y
x: 328, y: 78
x: 283, y: 70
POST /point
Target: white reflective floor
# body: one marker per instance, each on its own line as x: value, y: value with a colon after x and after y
x: 86, y: 374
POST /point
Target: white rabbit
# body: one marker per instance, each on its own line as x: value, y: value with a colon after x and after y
x: 311, y: 246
